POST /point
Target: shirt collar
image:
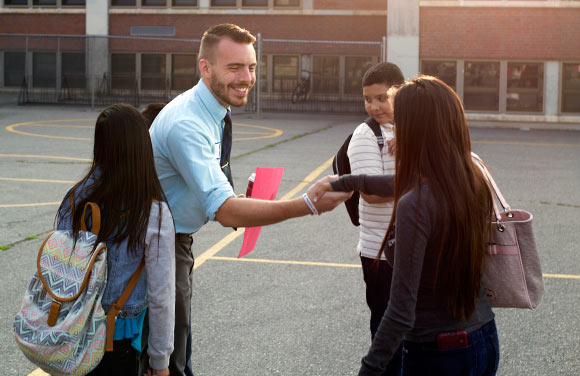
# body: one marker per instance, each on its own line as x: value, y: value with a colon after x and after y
x: 217, y: 111
x: 389, y: 126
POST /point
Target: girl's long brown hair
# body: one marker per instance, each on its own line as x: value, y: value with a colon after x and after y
x: 122, y: 179
x: 433, y: 146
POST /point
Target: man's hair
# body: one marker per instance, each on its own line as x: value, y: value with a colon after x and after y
x: 151, y: 111
x: 213, y: 35
x: 383, y: 73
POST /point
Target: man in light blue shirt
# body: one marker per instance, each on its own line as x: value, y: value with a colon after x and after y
x: 187, y: 138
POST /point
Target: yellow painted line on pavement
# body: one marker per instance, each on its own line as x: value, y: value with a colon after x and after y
x: 40, y: 180
x: 213, y: 250
x: 525, y: 143
x: 38, y: 372
x: 338, y: 265
x: 288, y: 262
x: 46, y: 157
x: 562, y: 276
x: 29, y: 205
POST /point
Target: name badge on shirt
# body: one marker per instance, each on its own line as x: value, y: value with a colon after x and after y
x: 218, y: 150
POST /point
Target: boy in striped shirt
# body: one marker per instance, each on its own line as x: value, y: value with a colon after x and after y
x: 375, y: 211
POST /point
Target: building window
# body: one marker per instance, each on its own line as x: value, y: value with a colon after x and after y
x: 223, y: 3
x: 255, y: 3
x: 124, y: 2
x: 36, y: 3
x: 571, y: 87
x: 152, y: 72
x: 285, y: 73
x: 123, y: 71
x: 286, y: 3
x: 525, y: 87
x: 14, y: 63
x: 481, y: 86
x: 325, y: 75
x: 446, y: 71
x: 183, y: 72
x: 44, y: 2
x: 263, y: 74
x: 44, y: 69
x: 355, y: 68
x: 153, y: 3
x: 178, y: 3
x: 73, y: 70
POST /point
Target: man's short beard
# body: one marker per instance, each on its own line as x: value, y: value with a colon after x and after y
x: 219, y: 90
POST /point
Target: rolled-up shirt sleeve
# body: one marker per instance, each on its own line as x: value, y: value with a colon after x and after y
x: 196, y: 157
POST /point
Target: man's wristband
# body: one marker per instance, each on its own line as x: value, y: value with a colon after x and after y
x: 310, y: 204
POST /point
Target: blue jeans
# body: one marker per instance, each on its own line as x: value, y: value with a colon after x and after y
x: 479, y: 358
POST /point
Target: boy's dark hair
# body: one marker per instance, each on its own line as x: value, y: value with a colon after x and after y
x: 383, y: 73
x: 151, y: 111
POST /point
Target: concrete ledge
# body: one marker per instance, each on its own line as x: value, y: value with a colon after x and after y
x: 562, y: 122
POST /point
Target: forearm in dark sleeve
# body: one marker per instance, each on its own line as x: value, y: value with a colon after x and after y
x: 380, y: 185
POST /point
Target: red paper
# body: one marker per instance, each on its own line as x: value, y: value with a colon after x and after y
x: 266, y: 184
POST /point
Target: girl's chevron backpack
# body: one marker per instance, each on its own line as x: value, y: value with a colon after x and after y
x: 61, y: 326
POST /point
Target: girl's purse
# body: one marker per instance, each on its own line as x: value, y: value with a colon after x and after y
x: 512, y: 277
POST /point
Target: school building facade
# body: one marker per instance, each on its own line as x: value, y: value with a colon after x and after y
x: 509, y: 60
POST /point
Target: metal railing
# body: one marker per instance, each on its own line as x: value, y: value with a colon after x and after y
x: 92, y: 79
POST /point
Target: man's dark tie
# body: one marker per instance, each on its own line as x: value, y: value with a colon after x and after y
x: 227, y: 148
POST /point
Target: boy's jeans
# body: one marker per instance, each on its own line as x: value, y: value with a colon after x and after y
x: 479, y: 358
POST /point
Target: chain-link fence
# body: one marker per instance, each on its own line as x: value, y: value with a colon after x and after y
x: 292, y: 75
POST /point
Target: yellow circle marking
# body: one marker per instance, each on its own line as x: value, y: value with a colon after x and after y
x: 39, y: 180
x: 270, y: 132
x: 45, y: 157
x: 41, y: 123
x: 29, y: 205
x: 274, y: 132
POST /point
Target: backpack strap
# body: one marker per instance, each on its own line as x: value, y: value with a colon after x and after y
x: 96, y: 218
x: 118, y: 305
x: 376, y: 128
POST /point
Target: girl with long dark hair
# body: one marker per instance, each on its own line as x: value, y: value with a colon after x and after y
x: 436, y: 241
x: 136, y: 224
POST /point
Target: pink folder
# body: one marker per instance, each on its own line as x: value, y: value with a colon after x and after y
x: 266, y: 184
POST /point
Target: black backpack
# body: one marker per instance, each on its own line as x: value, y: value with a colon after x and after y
x: 341, y: 166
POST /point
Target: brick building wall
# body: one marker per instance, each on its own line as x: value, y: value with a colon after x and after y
x: 42, y: 23
x: 500, y: 33
x: 270, y: 26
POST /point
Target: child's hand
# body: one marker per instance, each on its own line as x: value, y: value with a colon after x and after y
x: 392, y: 146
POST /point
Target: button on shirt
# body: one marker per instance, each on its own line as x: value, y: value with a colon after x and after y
x: 186, y: 138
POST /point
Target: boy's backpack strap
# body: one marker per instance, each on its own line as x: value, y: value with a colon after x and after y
x: 376, y: 128
x: 96, y: 218
x: 118, y: 305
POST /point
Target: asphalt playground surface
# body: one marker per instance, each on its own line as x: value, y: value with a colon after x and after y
x: 296, y: 305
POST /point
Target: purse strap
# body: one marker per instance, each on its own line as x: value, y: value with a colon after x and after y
x: 491, y: 182
x: 118, y: 305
